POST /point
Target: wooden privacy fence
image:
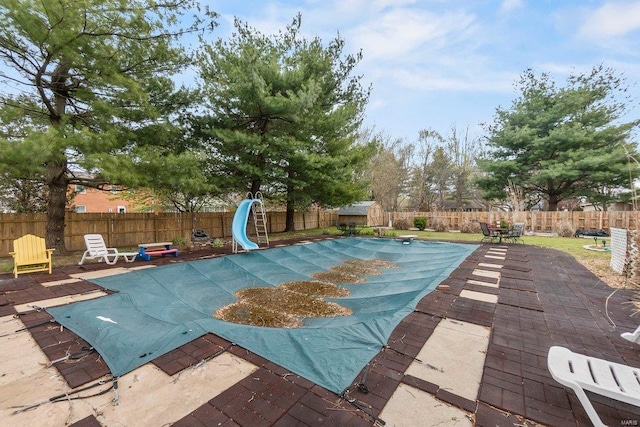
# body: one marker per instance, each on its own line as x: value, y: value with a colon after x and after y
x: 129, y: 229
x: 538, y: 222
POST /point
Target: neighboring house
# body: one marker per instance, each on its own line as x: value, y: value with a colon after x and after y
x: 91, y: 200
x: 368, y: 214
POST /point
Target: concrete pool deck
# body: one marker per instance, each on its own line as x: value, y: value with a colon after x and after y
x: 472, y: 353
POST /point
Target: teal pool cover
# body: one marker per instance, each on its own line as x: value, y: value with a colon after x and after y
x: 159, y: 309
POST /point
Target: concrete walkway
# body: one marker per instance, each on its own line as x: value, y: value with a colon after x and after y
x: 472, y: 353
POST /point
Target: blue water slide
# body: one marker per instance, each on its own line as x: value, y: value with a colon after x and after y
x: 239, y: 225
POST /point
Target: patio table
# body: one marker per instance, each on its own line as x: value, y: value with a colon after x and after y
x: 500, y: 232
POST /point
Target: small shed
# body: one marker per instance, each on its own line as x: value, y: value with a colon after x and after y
x: 364, y: 214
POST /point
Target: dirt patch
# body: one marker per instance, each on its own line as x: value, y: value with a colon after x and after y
x: 602, y: 269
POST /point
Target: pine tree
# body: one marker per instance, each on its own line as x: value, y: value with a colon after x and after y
x: 561, y: 142
x: 284, y: 114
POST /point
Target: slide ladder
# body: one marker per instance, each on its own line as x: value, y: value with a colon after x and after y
x: 251, y: 206
x: 260, y: 221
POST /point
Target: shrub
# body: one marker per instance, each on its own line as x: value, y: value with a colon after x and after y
x: 401, y: 224
x: 420, y: 222
x: 439, y: 225
x: 565, y: 229
x: 470, y: 227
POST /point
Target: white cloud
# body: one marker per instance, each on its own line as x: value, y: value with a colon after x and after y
x: 354, y: 8
x: 433, y: 61
x: 611, y: 20
x: 470, y: 81
x: 403, y: 31
x: 381, y: 4
x: 270, y: 20
x: 511, y: 5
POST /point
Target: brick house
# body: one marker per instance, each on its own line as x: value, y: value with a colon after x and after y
x: 91, y: 200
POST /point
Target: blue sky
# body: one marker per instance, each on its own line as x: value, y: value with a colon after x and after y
x: 438, y: 63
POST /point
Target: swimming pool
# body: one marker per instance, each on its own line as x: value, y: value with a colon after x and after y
x: 156, y: 310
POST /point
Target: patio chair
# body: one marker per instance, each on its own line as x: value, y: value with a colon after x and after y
x: 515, y: 233
x: 580, y: 373
x: 30, y: 254
x: 632, y: 336
x: 487, y: 234
x: 97, y: 249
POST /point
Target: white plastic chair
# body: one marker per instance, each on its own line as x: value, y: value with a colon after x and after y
x: 580, y: 373
x: 632, y: 336
x: 97, y: 249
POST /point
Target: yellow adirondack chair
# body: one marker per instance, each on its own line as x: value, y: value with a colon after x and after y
x: 30, y: 254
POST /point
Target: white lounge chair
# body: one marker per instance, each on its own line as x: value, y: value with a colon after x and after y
x: 580, y: 373
x: 632, y: 336
x: 97, y: 249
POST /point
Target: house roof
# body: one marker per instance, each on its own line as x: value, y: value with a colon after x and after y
x: 360, y: 208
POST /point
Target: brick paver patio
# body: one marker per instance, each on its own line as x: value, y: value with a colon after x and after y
x: 544, y: 298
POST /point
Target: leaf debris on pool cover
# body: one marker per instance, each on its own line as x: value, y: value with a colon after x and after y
x: 317, y: 288
x: 337, y: 276
x: 285, y: 305
x: 356, y: 270
x: 371, y: 263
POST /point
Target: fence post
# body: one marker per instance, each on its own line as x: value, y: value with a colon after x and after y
x: 110, y: 227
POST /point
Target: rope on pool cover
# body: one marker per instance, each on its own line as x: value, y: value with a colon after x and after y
x: 26, y: 328
x: 435, y: 368
x: 67, y: 396
x: 85, y: 351
x: 364, y: 389
x: 114, y: 384
x: 363, y: 407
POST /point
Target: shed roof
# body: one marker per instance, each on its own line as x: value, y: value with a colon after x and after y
x: 360, y: 208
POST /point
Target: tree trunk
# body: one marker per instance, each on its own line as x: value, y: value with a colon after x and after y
x: 56, y: 179
x: 553, y: 203
x: 255, y: 187
x: 290, y: 224
x: 57, y: 183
